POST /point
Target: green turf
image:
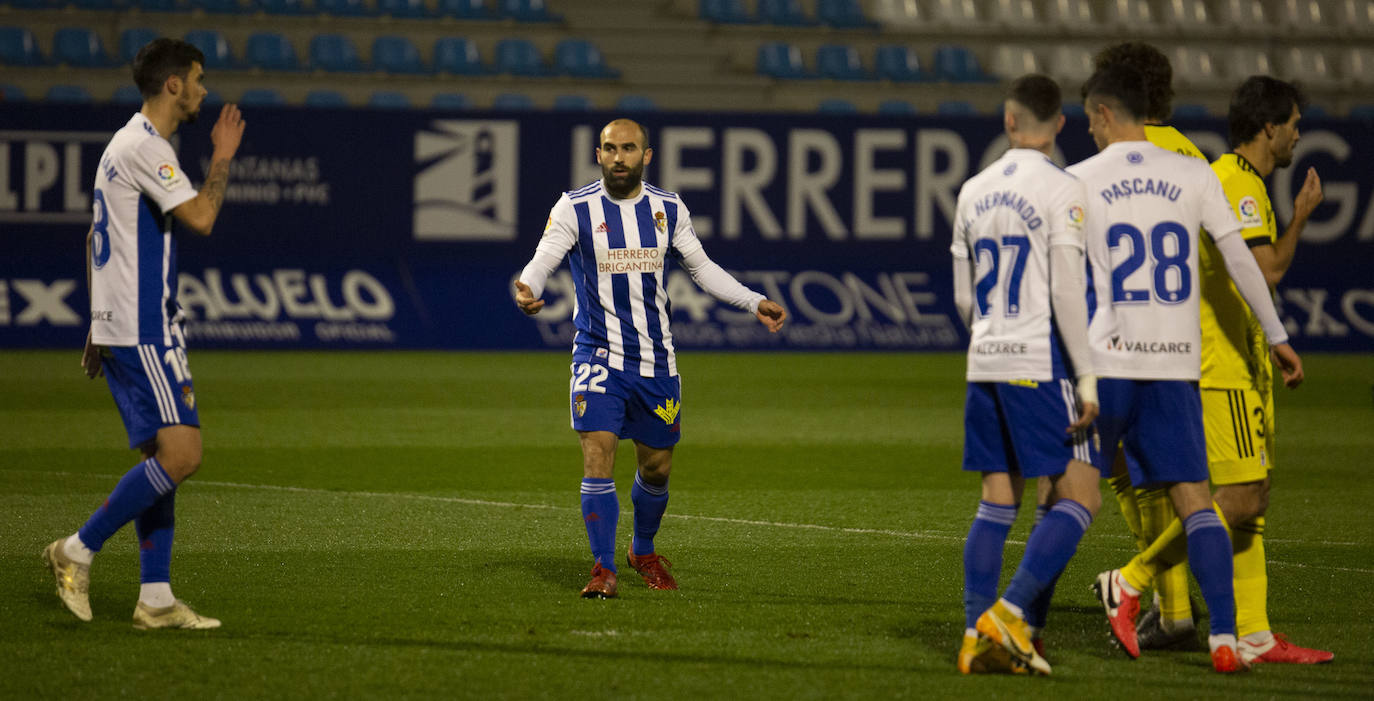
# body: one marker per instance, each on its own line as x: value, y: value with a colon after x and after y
x: 407, y: 524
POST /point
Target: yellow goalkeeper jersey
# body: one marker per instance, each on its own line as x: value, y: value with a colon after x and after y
x: 1172, y: 139
x: 1233, y: 345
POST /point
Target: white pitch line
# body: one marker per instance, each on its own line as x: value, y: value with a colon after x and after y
x: 918, y: 535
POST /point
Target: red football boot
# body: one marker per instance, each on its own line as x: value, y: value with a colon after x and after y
x: 602, y: 585
x: 653, y: 568
x: 1280, y: 651
x: 1121, y: 608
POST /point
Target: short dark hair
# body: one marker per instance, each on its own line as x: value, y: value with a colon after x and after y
x: 161, y: 59
x: 1259, y: 101
x: 1151, y: 63
x: 1125, y: 86
x: 1037, y: 93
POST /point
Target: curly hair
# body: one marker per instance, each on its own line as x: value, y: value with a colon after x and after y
x: 1152, y: 65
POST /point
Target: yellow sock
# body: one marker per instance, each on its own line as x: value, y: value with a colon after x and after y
x: 1169, y: 549
x: 1171, y: 580
x: 1130, y: 509
x: 1252, y: 579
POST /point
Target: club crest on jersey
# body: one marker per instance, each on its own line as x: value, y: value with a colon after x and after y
x: 188, y: 397
x: 1009, y: 169
x: 579, y: 405
x: 660, y: 222
x: 1134, y: 158
x: 668, y: 410
x: 602, y: 353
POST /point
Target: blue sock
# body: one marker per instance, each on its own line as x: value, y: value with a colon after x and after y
x: 600, y: 513
x: 650, y: 502
x: 136, y: 491
x: 154, y: 527
x: 983, y: 558
x: 1209, y: 557
x: 1051, y: 546
x: 1039, y: 611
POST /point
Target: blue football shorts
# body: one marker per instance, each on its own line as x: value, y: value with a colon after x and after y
x: 646, y: 409
x: 1021, y: 427
x: 1159, y: 424
x: 151, y: 384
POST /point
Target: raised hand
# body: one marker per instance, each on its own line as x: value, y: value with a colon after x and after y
x: 524, y: 299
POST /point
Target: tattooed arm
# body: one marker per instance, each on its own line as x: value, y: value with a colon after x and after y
x: 199, y: 213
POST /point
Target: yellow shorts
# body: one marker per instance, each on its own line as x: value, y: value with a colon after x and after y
x: 1239, y: 428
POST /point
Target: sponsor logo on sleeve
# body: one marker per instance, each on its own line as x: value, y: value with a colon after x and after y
x: 1076, y: 216
x: 1249, y: 212
x: 168, y: 175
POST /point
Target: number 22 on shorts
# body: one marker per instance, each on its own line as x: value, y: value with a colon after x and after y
x: 587, y: 377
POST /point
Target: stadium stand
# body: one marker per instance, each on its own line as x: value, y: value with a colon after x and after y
x: 572, y: 103
x: 635, y: 103
x: 266, y: 97
x: 450, y: 101
x: 388, y: 100
x: 127, y: 95
x: 512, y: 102
x: 214, y: 46
x: 840, y: 62
x: 836, y: 105
x: 68, y: 94
x: 325, y: 98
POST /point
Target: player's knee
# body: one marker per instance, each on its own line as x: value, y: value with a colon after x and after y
x: 179, y: 464
x: 655, y: 471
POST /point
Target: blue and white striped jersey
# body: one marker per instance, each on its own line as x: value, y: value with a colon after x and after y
x: 133, y: 255
x: 618, y: 251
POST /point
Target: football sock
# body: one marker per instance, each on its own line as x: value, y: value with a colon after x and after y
x: 1170, y: 582
x: 1048, y: 551
x: 983, y: 557
x: 1215, y: 641
x: 137, y: 490
x: 1169, y: 549
x: 1209, y: 557
x: 154, y: 527
x: 1130, y: 509
x: 600, y: 513
x: 77, y: 550
x: 650, y: 501
x: 1252, y: 581
x: 156, y: 594
x: 1038, y: 612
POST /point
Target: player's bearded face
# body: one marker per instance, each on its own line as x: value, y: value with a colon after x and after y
x: 1287, y: 138
x: 623, y: 172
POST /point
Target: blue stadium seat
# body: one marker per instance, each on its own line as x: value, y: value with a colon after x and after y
x: 396, y: 54
x: 835, y: 105
x: 223, y: 7
x: 11, y: 93
x: 843, y: 14
x: 100, y: 4
x: 781, y: 60
x: 1364, y: 111
x: 528, y: 11
x: 127, y: 95
x: 784, y: 13
x: 896, y: 107
x: 215, y: 47
x: 343, y: 8
x: 898, y: 63
x: 334, y: 53
x: 519, y: 57
x: 18, y: 47
x: 450, y: 101
x: 572, y: 103
x: 725, y: 12
x: 68, y: 94
x: 1192, y: 111
x: 412, y: 9
x: 958, y: 64
x: 282, y: 7
x: 388, y: 100
x: 955, y: 108
x: 78, y: 46
x: 512, y: 101
x: 262, y: 97
x: 157, y: 5
x: 325, y: 98
x: 466, y: 9
x: 133, y: 39
x: 34, y: 4
x: 458, y: 56
x: 840, y: 62
x: 635, y: 103
x: 581, y: 59
x: 270, y: 51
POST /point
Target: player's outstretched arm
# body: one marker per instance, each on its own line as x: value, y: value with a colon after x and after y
x: 525, y: 299
x: 90, y: 356
x: 771, y: 314
x: 199, y: 212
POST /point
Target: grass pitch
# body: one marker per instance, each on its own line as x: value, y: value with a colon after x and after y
x: 407, y: 524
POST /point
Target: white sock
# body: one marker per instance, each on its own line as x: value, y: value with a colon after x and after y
x: 1015, y: 610
x: 970, y: 633
x: 1174, y: 626
x: 157, y: 595
x: 1125, y: 585
x: 76, y: 551
x: 1216, y: 641
x: 1259, y: 639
